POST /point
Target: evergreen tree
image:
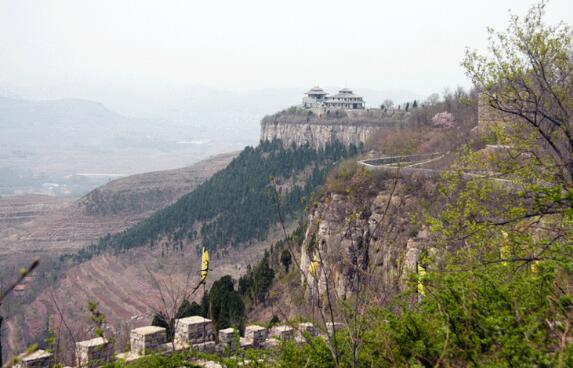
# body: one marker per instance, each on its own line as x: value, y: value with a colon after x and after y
x: 226, y: 306
x: 263, y: 276
x: 286, y: 259
x: 160, y: 320
x: 205, y: 305
x: 187, y: 309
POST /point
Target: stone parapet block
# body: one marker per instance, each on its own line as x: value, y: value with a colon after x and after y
x: 332, y: 326
x: 93, y: 353
x: 245, y: 343
x: 283, y: 332
x: 227, y: 338
x: 38, y: 359
x: 147, y: 339
x: 256, y: 334
x: 193, y: 330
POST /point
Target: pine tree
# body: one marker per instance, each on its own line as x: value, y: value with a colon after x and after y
x: 286, y: 259
x: 227, y: 307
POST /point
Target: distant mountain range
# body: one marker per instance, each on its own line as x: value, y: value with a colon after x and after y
x: 199, y: 104
x: 69, y: 146
x: 72, y: 124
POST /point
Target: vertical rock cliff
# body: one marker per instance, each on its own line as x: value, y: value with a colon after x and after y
x: 365, y: 233
x: 306, y: 127
x: 317, y: 134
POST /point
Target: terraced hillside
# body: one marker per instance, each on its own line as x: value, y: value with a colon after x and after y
x: 47, y: 227
x: 126, y: 288
x: 41, y: 223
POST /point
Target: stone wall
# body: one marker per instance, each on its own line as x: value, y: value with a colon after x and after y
x: 147, y: 339
x: 191, y: 333
x: 94, y: 352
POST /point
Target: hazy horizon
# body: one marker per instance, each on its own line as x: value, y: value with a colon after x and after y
x: 128, y: 53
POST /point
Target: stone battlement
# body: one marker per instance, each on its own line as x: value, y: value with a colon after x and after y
x: 195, y: 333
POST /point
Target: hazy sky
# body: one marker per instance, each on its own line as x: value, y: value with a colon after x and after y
x: 414, y: 45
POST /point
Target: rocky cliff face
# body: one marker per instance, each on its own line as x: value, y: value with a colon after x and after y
x: 318, y: 128
x: 350, y: 236
x: 317, y: 134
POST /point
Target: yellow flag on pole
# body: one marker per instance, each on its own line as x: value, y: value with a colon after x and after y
x: 204, y: 265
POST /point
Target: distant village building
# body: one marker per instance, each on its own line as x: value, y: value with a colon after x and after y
x: 345, y: 99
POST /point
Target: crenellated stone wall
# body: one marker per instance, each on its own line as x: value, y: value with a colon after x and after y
x: 194, y: 333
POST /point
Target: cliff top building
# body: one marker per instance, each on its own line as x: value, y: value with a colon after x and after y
x: 345, y: 99
x: 315, y: 97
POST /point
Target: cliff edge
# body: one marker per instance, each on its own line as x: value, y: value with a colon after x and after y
x: 317, y: 127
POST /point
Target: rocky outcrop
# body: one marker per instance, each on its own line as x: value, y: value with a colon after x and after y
x: 365, y: 239
x: 317, y: 134
x: 300, y: 126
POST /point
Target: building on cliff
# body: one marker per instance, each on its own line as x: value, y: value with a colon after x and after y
x: 345, y: 99
x: 314, y: 98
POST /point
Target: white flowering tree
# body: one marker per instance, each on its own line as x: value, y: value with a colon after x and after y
x: 443, y: 119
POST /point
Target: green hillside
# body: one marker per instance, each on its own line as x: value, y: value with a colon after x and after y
x: 236, y: 204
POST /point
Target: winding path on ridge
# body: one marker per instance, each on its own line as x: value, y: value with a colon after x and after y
x: 409, y: 164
